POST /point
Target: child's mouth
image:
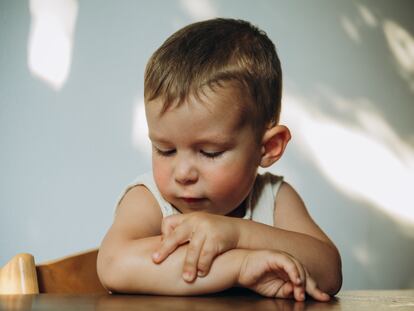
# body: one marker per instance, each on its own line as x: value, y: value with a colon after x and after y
x: 192, y: 200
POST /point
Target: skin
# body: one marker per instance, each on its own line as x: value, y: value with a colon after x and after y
x: 203, y: 158
x: 205, y: 161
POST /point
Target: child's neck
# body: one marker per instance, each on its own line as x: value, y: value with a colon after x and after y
x: 239, y: 212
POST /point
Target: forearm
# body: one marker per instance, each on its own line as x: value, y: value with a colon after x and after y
x: 131, y: 270
x: 320, y: 258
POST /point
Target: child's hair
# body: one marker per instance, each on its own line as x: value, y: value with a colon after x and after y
x: 211, y: 53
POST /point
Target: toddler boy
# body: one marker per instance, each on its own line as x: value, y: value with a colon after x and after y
x: 204, y: 220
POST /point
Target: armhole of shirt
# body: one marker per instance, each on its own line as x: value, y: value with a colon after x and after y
x: 147, y: 181
x: 276, y: 182
x: 262, y: 198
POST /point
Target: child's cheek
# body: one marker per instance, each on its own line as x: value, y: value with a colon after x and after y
x: 161, y: 175
x: 231, y: 182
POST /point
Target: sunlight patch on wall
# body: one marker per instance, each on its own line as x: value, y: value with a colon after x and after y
x: 366, y: 160
x: 51, y: 40
x: 401, y: 44
x: 362, y: 255
x: 199, y: 10
x: 140, y: 140
x: 367, y: 16
x: 350, y: 29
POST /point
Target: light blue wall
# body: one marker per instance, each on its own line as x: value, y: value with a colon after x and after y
x: 66, y: 155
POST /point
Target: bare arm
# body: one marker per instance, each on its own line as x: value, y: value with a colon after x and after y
x: 269, y: 273
x: 124, y: 259
x: 297, y: 234
x: 133, y: 271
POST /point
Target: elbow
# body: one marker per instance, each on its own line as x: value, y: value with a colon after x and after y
x: 103, y: 265
x: 126, y: 266
x: 335, y: 274
x: 117, y: 271
x: 108, y: 273
x: 335, y: 284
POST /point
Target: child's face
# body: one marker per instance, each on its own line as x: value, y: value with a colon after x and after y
x: 203, y: 158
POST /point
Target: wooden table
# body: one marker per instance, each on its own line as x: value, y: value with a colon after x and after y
x: 236, y: 301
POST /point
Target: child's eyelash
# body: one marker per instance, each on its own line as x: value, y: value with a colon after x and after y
x: 212, y: 155
x: 168, y: 153
x: 165, y: 153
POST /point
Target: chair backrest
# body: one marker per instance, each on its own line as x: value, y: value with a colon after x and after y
x: 74, y: 274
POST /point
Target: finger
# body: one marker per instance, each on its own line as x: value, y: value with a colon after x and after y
x: 192, y: 257
x: 299, y: 293
x: 291, y: 273
x: 169, y: 224
x: 300, y: 285
x: 208, y: 253
x: 302, y: 273
x: 313, y: 290
x: 170, y: 244
x: 285, y: 291
x: 284, y: 262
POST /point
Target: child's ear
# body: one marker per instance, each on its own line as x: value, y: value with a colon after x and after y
x: 274, y: 143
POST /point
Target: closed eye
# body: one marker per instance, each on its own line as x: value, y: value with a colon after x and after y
x: 211, y: 155
x: 164, y: 153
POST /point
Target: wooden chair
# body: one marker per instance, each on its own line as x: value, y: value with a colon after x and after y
x: 75, y: 274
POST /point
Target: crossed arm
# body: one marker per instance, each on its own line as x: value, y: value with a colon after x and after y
x: 289, y: 263
x: 131, y: 270
x: 202, y: 233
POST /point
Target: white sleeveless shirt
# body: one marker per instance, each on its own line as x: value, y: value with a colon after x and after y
x: 260, y: 201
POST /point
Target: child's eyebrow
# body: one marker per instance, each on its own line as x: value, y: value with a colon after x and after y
x: 215, y: 139
x: 212, y: 140
x: 153, y: 137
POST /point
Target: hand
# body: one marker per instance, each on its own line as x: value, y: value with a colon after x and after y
x: 278, y: 274
x: 208, y: 236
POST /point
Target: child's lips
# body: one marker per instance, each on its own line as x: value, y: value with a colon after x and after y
x: 192, y: 200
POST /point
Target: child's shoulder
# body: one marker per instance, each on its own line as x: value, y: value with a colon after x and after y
x: 140, y: 188
x: 138, y: 212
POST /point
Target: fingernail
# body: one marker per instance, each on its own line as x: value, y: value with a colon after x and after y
x: 302, y: 296
x: 188, y: 276
x: 156, y: 256
x: 298, y: 281
x: 200, y: 273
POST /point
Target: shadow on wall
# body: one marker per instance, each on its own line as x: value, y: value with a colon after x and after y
x: 357, y: 139
x: 364, y: 182
x: 399, y: 39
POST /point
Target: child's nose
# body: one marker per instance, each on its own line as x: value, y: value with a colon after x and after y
x: 185, y: 172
